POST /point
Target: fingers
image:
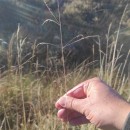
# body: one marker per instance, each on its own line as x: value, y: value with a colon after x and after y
x: 68, y: 115
x: 74, y: 118
x: 79, y: 121
x: 68, y: 102
x: 74, y: 104
x: 57, y: 105
x: 77, y: 92
x: 71, y: 103
x: 80, y: 90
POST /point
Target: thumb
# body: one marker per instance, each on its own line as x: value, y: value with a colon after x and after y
x: 72, y: 103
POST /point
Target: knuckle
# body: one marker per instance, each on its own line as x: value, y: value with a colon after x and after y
x: 73, y: 103
x: 96, y: 79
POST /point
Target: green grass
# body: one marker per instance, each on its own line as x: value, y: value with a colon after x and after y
x: 27, y: 100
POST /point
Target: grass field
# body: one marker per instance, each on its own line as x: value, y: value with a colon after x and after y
x: 27, y: 100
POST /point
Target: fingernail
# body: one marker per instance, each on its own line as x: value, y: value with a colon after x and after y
x: 77, y: 90
x: 62, y: 101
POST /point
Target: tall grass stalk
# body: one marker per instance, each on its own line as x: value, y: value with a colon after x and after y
x: 115, y: 48
x: 109, y: 66
x: 62, y: 46
x: 27, y: 100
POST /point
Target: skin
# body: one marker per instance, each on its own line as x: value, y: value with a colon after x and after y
x: 94, y: 102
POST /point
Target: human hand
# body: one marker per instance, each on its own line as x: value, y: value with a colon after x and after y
x: 93, y: 102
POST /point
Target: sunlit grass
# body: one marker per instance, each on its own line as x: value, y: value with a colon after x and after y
x: 27, y: 101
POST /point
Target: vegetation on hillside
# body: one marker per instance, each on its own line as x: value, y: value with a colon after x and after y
x: 35, y: 26
x: 47, y: 47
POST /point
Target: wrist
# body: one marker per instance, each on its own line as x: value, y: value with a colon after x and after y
x: 127, y: 123
x: 122, y: 113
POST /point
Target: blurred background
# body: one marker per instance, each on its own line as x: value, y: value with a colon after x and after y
x: 37, y: 21
x: 48, y: 46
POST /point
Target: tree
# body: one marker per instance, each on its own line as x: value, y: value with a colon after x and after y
x: 94, y: 15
